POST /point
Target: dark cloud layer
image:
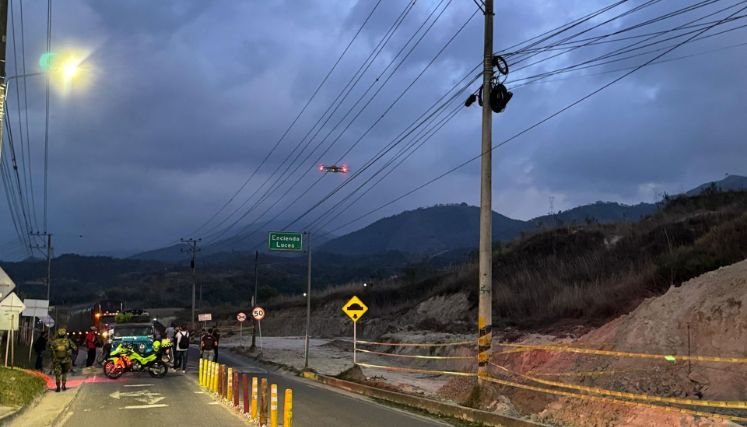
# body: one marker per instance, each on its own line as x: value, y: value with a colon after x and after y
x: 187, y: 97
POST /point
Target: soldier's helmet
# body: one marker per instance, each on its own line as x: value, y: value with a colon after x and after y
x: 61, y: 332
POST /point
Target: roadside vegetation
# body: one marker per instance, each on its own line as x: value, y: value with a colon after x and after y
x: 18, y: 388
x: 579, y: 274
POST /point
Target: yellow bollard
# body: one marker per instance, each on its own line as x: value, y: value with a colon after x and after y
x: 208, y: 373
x: 274, y: 405
x: 216, y: 373
x: 229, y: 384
x: 254, y: 397
x: 201, y: 372
x: 211, y: 372
x: 288, y: 408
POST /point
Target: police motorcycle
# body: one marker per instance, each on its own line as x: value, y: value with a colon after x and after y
x: 131, y: 357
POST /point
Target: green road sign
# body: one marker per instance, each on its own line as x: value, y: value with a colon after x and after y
x: 285, y: 241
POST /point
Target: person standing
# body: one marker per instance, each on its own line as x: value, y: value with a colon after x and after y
x: 40, y: 346
x: 62, y: 351
x: 217, y: 341
x: 207, y: 346
x: 91, y: 346
x: 182, y: 349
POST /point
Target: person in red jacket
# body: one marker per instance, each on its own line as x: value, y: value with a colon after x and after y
x: 91, y: 346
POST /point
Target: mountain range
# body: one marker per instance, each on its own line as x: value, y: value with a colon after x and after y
x: 440, y: 229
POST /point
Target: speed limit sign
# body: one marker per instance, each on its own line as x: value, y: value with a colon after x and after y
x: 258, y: 313
x: 241, y: 317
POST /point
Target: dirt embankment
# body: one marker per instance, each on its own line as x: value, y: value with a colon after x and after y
x: 706, y: 316
x: 328, y: 320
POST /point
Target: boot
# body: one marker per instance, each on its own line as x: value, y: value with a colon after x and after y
x: 64, y: 387
x: 58, y: 388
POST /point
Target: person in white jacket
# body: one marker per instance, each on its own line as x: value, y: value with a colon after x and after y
x: 182, y: 348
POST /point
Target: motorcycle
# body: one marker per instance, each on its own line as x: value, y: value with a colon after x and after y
x: 124, y: 358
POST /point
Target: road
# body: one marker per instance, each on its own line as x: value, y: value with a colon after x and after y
x: 137, y: 399
x: 316, y: 405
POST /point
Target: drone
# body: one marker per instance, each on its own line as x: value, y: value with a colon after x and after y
x: 333, y: 168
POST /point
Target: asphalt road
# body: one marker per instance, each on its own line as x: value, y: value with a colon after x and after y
x: 316, y: 405
x: 139, y: 400
x: 177, y: 400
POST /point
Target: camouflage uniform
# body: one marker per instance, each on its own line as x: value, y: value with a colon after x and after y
x: 61, y: 349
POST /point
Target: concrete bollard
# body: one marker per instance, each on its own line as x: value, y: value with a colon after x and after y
x: 263, y: 401
x: 229, y: 383
x: 255, y: 397
x: 245, y: 391
x: 274, y: 405
x: 288, y: 408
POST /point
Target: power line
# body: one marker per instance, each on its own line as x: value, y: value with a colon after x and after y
x: 26, y: 116
x: 289, y: 189
x: 268, y: 192
x: 46, y: 115
x: 548, y: 34
x: 339, y: 99
x: 298, y: 116
x: 536, y: 124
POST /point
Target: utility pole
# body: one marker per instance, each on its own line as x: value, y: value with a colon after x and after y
x: 485, y: 312
x: 193, y: 248
x: 49, y: 259
x: 3, y: 38
x: 308, y: 302
x: 254, y: 300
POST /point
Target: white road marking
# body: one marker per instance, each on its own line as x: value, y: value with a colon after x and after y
x: 138, y: 385
x: 161, y: 405
x: 214, y: 403
x: 199, y: 392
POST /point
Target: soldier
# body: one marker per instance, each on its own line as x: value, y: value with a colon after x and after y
x: 62, y: 352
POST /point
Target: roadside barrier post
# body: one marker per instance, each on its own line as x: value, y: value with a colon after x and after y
x: 208, y: 374
x: 274, y: 405
x: 220, y: 380
x: 235, y: 388
x: 245, y: 391
x: 229, y: 381
x: 263, y: 403
x: 288, y: 408
x: 199, y: 372
x: 214, y: 385
x: 255, y: 397
x: 223, y: 381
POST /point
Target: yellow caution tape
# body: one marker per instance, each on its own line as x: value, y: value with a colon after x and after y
x: 401, y: 344
x: 645, y: 397
x: 419, y: 371
x: 610, y: 399
x: 588, y: 373
x: 415, y: 356
x: 570, y: 349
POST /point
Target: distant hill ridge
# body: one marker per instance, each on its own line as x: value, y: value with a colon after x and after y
x: 443, y: 228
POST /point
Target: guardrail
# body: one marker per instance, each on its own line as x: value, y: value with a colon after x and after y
x: 232, y: 386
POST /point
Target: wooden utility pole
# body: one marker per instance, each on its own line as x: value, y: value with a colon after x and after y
x: 485, y: 313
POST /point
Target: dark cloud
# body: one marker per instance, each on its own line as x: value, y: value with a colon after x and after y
x: 187, y: 98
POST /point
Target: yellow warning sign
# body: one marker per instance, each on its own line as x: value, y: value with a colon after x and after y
x: 354, y: 308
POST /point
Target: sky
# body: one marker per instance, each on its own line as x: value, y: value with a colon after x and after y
x: 178, y: 103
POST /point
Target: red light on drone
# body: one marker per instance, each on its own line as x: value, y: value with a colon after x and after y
x: 344, y: 169
x: 321, y: 168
